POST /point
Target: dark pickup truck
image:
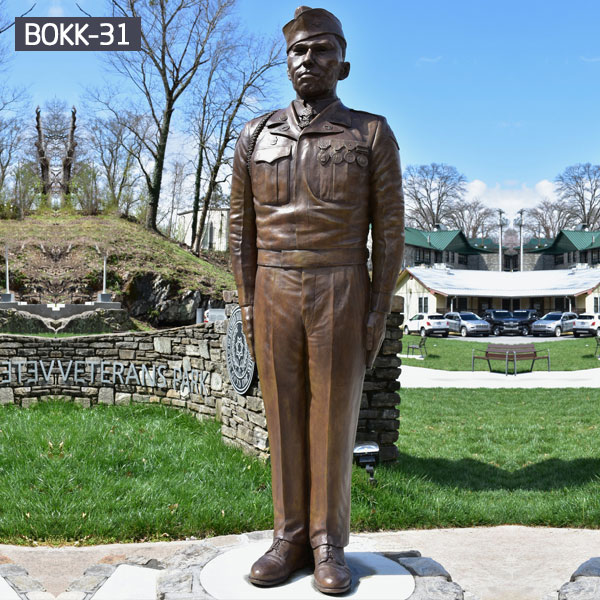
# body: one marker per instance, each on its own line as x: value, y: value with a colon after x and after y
x: 505, y: 322
x: 527, y: 317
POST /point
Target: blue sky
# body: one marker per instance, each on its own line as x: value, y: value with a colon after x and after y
x: 506, y: 92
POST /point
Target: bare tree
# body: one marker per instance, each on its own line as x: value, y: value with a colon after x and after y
x: 579, y: 186
x: 26, y: 190
x: 548, y: 217
x: 177, y: 38
x: 472, y: 217
x: 84, y: 189
x: 178, y: 176
x: 42, y: 155
x: 69, y: 156
x: 11, y: 138
x: 431, y: 192
x: 115, y: 149
x: 235, y: 82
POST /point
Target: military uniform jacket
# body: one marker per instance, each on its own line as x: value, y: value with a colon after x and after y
x: 319, y: 188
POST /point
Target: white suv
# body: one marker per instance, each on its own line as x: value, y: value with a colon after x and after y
x: 425, y: 324
x: 587, y: 324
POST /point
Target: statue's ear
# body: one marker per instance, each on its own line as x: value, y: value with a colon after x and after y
x: 344, y: 71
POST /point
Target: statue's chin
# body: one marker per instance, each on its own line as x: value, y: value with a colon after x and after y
x: 312, y: 92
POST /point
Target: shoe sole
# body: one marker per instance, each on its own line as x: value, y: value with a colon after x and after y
x: 262, y: 583
x: 333, y: 590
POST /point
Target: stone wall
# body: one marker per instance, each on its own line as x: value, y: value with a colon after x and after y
x: 180, y: 367
x: 184, y: 367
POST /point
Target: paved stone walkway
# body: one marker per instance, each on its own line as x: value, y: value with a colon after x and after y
x: 420, y: 377
x: 487, y: 563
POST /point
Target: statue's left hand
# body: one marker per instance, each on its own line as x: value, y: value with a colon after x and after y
x: 375, y: 334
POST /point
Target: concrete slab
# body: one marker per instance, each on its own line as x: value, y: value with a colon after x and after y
x: 419, y: 377
x: 6, y: 591
x: 129, y: 582
x: 373, y: 576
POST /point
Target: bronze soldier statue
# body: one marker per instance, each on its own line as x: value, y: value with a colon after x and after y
x: 309, y: 182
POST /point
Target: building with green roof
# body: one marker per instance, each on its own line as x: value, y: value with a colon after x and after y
x: 442, y: 246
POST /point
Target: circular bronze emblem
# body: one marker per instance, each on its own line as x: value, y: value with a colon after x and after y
x: 240, y: 365
x: 349, y: 157
x: 363, y: 161
x: 337, y: 158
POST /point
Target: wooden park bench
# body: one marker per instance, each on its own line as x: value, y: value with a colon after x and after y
x: 512, y: 353
x: 421, y: 347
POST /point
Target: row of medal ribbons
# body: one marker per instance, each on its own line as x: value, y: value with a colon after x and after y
x: 340, y: 150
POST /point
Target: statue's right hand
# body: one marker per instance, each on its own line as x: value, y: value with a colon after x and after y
x: 248, y: 325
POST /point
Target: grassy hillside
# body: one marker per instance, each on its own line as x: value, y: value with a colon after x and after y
x: 58, y: 257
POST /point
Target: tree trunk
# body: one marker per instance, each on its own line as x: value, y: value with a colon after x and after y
x: 159, y: 164
x: 196, y: 205
x: 43, y: 160
x: 67, y: 166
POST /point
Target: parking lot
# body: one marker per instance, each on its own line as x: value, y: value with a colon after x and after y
x: 509, y: 339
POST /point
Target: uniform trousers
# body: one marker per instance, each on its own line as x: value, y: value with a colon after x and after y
x: 309, y: 331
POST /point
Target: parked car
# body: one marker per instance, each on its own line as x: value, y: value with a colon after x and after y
x: 554, y: 323
x: 425, y: 324
x: 467, y: 323
x: 502, y: 321
x: 587, y: 324
x: 527, y: 317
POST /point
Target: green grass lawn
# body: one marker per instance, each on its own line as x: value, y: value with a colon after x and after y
x: 490, y: 457
x: 455, y: 355
x: 467, y: 458
x: 122, y: 473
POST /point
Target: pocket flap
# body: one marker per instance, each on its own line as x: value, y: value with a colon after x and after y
x: 271, y: 154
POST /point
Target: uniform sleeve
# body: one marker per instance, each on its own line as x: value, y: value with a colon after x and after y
x: 386, y: 203
x: 242, y: 224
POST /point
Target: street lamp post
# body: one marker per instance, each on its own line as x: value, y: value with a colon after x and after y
x: 502, y: 222
x: 519, y: 223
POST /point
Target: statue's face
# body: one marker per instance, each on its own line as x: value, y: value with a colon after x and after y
x: 316, y: 65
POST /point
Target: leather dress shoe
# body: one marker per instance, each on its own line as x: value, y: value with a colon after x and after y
x: 332, y: 575
x: 279, y: 562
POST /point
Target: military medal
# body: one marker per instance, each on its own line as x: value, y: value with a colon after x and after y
x: 306, y: 116
x: 324, y: 143
x: 337, y: 158
x: 349, y: 157
x: 362, y: 160
x: 323, y: 157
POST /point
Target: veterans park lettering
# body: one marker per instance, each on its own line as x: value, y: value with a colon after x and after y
x: 81, y: 372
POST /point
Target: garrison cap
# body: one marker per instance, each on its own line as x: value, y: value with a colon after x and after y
x: 309, y: 22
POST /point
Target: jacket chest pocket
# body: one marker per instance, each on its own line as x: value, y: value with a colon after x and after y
x: 271, y: 175
x: 343, y: 171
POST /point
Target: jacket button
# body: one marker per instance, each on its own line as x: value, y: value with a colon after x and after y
x: 327, y: 127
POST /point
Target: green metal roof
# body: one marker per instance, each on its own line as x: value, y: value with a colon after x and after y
x: 416, y: 237
x: 571, y: 241
x: 452, y: 241
x: 537, y: 243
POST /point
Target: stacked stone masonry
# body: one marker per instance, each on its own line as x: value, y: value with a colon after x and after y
x: 185, y: 368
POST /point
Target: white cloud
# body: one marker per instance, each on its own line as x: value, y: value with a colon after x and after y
x: 428, y: 60
x: 590, y: 59
x: 510, y: 196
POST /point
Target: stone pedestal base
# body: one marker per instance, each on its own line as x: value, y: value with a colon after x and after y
x: 373, y: 576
